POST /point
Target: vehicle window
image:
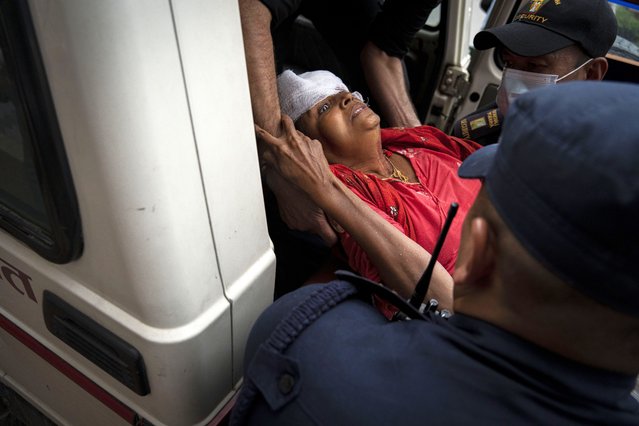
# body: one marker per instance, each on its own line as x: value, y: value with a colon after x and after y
x: 479, y: 14
x: 479, y: 9
x: 434, y: 18
x: 37, y: 199
x: 19, y: 188
x: 627, y: 42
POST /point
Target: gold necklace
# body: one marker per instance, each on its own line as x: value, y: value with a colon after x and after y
x: 396, y: 174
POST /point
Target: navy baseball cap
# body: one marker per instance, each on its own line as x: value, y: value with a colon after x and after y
x: 542, y: 27
x: 564, y: 177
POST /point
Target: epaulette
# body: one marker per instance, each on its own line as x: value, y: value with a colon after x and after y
x: 480, y: 126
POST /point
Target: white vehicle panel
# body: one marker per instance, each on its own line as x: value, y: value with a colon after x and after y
x: 155, y: 117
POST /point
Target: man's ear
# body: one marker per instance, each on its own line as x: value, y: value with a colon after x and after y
x: 597, y: 69
x: 477, y: 262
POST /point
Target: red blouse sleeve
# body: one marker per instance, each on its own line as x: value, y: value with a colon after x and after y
x: 431, y: 138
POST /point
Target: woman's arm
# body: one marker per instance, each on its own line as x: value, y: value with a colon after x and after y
x: 400, y: 260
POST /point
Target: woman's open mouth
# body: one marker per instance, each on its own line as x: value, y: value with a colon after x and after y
x: 357, y: 110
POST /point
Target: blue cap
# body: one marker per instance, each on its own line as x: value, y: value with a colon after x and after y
x: 542, y: 27
x: 565, y: 179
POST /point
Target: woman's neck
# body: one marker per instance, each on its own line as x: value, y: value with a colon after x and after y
x: 368, y: 156
x: 377, y: 164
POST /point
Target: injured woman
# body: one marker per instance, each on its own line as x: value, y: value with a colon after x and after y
x: 386, y: 192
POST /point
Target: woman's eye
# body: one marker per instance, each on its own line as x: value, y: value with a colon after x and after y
x: 323, y: 108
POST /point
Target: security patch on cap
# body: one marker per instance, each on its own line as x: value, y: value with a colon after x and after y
x: 531, y: 14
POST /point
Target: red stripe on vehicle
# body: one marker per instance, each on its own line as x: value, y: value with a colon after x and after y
x: 68, y: 370
x: 223, y: 417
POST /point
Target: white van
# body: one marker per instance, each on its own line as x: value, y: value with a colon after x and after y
x: 134, y: 251
x: 134, y: 254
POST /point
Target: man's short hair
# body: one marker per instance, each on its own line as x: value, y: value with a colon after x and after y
x: 542, y: 27
x: 564, y: 177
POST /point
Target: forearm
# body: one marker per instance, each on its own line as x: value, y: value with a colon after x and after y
x: 260, y: 62
x: 385, y: 78
x: 399, y: 260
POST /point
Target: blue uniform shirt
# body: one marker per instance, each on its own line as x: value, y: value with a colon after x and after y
x: 322, y: 356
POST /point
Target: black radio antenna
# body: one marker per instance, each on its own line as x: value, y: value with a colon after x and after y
x: 421, y: 288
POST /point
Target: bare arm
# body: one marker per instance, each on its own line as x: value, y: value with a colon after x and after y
x: 296, y: 209
x: 400, y: 260
x: 260, y: 62
x: 385, y: 77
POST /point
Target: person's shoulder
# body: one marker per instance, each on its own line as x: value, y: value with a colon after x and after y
x: 300, y: 306
x: 482, y: 126
x: 345, y: 302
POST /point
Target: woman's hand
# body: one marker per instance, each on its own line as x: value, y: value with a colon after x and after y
x: 296, y: 158
x: 296, y: 169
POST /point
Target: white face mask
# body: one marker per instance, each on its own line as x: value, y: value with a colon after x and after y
x: 515, y: 83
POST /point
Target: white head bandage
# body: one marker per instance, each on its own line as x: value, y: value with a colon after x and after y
x: 298, y: 93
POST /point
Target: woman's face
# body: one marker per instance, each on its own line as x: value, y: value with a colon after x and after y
x: 344, y: 125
